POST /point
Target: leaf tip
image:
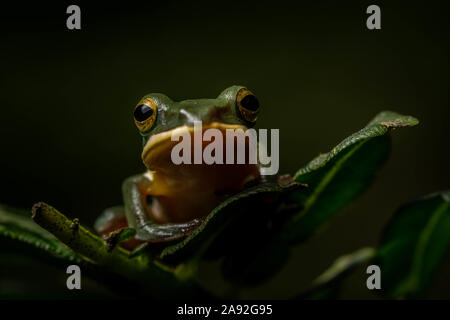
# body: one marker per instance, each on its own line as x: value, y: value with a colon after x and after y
x: 392, y: 120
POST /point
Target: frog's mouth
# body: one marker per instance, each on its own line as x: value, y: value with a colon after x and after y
x: 159, y: 146
x: 157, y: 155
x: 186, y: 191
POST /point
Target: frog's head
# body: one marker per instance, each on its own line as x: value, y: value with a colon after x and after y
x: 158, y: 117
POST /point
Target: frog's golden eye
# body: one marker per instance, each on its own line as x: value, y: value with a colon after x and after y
x: 247, y: 105
x: 145, y: 114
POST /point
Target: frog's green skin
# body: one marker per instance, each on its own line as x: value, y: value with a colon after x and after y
x: 168, y: 201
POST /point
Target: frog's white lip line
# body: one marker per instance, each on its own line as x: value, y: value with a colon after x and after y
x: 166, y: 135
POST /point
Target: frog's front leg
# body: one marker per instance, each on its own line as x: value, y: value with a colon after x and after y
x: 137, y: 213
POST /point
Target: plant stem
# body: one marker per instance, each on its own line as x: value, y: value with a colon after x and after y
x: 152, y: 276
x: 83, y: 241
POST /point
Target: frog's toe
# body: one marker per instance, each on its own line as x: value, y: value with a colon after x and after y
x: 154, y: 233
x: 112, y: 219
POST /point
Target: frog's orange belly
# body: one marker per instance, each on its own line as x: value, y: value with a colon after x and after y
x: 198, y: 191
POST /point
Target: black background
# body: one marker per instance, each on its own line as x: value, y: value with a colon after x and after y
x: 66, y: 131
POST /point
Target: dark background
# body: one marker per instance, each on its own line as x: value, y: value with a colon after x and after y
x: 66, y: 129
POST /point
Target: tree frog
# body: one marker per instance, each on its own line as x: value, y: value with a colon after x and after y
x: 169, y: 201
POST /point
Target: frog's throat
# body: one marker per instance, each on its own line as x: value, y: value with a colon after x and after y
x: 162, y: 143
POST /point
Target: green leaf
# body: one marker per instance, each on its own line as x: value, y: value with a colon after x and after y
x: 140, y: 249
x: 113, y: 267
x: 344, y: 264
x: 118, y: 236
x: 24, y: 239
x: 413, y: 244
x: 152, y: 277
x: 337, y: 177
x: 17, y: 225
x: 233, y: 218
x: 327, y: 285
